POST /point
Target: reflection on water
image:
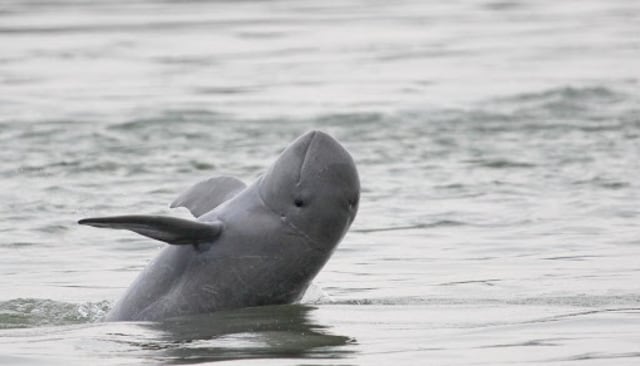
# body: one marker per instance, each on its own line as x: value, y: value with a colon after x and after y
x: 269, y: 332
x: 265, y: 332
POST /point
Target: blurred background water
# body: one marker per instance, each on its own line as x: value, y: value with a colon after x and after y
x: 498, y: 144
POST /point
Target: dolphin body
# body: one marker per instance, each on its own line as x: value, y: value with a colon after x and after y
x: 249, y: 245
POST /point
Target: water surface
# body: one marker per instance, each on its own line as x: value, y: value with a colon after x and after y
x: 498, y: 144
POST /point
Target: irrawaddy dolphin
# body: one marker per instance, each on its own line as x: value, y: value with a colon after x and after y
x: 253, y: 245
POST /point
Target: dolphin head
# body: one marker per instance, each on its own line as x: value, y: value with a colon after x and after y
x: 314, y: 187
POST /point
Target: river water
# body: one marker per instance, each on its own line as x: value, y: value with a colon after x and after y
x: 498, y: 144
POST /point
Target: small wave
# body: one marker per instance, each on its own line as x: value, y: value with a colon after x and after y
x: 583, y: 105
x: 603, y: 182
x: 441, y: 223
x: 604, y: 303
x: 170, y: 118
x: 29, y: 312
x: 352, y: 118
x: 590, y: 356
x: 500, y: 163
x: 570, y: 94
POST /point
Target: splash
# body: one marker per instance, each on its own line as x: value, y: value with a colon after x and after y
x: 29, y: 312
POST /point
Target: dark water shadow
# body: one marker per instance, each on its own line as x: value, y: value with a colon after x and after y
x: 271, y: 332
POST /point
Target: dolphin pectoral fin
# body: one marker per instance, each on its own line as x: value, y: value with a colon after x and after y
x: 208, y: 194
x: 170, y: 230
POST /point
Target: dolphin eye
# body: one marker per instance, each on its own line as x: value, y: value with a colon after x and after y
x: 298, y: 202
x: 353, y: 202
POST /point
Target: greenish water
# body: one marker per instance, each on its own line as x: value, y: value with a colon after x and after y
x: 498, y: 145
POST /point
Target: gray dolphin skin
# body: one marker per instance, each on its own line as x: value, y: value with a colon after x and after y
x: 253, y: 245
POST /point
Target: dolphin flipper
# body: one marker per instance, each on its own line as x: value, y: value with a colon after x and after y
x: 170, y: 230
x: 208, y: 194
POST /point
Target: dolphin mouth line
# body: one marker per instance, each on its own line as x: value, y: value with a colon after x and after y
x: 283, y: 218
